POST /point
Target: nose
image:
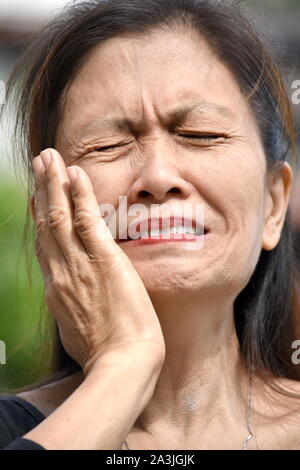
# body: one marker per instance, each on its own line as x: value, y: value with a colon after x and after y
x: 158, y: 181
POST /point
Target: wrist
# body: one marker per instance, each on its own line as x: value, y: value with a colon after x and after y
x: 141, y: 361
x: 132, y: 378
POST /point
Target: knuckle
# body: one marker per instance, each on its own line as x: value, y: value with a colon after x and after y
x: 56, y: 279
x: 48, y: 287
x: 37, y: 247
x: 78, y: 192
x: 48, y: 284
x: 83, y: 221
x: 50, y: 296
x: 60, y: 289
x: 41, y: 224
x: 39, y: 182
x: 57, y: 217
x: 51, y: 175
x: 55, y: 282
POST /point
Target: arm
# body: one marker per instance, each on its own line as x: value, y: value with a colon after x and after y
x: 102, y: 410
x: 107, y: 322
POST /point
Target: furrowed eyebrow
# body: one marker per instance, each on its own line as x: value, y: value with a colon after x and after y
x: 117, y: 123
x: 176, y: 116
x: 180, y: 113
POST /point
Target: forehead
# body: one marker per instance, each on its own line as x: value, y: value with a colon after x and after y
x: 142, y: 78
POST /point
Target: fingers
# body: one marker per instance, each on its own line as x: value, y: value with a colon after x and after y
x: 68, y: 221
x: 47, y: 250
x: 60, y: 210
x: 88, y: 222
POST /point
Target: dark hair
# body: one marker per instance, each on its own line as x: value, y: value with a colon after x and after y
x: 264, y: 310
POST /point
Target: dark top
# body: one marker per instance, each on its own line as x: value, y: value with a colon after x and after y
x: 18, y: 417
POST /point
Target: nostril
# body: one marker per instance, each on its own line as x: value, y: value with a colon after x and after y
x: 143, y: 193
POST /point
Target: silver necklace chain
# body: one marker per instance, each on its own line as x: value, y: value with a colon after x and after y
x: 249, y: 412
x: 249, y: 416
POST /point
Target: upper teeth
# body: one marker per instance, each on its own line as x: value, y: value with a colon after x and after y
x: 171, y: 230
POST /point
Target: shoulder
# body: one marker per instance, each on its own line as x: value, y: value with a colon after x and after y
x: 283, y: 396
x: 38, y: 399
x: 16, y: 418
x: 14, y: 407
x: 276, y: 406
x: 291, y: 387
x: 289, y: 405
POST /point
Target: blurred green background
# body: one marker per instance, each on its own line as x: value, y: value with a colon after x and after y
x: 20, y: 306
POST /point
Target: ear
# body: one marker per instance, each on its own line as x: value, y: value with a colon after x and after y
x: 31, y: 207
x: 278, y: 192
x: 295, y: 204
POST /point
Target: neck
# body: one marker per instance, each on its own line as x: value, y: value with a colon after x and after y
x: 203, y: 381
x: 203, y: 385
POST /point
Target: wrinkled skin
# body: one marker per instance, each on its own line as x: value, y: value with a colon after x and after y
x: 153, y: 161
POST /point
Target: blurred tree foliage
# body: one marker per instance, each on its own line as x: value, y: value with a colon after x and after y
x: 19, y: 305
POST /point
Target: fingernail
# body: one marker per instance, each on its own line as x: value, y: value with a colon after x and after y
x: 37, y: 165
x: 46, y: 157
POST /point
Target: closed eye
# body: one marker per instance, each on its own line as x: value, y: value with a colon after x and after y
x: 202, y: 136
x: 110, y: 147
x: 100, y: 149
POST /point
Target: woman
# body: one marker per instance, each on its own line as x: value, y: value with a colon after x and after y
x: 173, y: 347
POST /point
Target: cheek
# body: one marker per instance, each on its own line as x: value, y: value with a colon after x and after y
x: 231, y: 185
x: 244, y: 204
x: 109, y: 182
x: 248, y: 197
x: 233, y: 193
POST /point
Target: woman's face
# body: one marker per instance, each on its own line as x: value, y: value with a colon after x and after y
x: 144, y: 80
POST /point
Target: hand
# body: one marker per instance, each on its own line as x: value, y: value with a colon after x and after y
x: 91, y: 287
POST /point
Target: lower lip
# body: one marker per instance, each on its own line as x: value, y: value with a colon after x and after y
x: 159, y: 239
